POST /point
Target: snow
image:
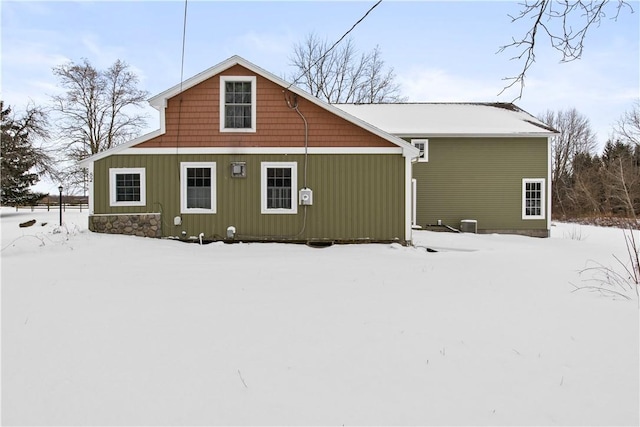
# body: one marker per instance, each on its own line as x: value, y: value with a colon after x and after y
x: 447, y: 119
x: 117, y: 330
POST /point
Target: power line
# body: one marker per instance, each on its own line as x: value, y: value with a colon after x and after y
x: 335, y: 44
x: 184, y: 37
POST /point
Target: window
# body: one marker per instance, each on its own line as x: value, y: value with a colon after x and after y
x: 533, y: 198
x: 423, y: 146
x: 237, y: 104
x: 127, y: 187
x: 279, y: 187
x: 197, y: 187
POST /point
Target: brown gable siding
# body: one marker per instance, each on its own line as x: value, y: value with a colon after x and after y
x: 276, y: 124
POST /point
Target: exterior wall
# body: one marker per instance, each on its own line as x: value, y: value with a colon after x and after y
x: 193, y: 120
x: 355, y: 197
x: 481, y: 179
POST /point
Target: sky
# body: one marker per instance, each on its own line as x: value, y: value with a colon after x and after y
x: 439, y: 51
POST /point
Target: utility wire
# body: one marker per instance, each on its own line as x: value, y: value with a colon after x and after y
x: 334, y: 45
x: 184, y: 38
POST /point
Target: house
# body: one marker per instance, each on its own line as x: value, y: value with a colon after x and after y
x: 241, y: 154
x: 483, y: 164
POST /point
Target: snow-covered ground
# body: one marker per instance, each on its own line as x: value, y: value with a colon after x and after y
x: 118, y: 330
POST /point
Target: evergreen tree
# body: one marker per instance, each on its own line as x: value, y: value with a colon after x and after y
x: 21, y: 162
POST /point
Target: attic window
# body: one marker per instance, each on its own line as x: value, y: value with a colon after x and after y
x: 423, y: 146
x: 237, y: 103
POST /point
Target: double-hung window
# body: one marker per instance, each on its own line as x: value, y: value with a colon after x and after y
x: 533, y: 198
x: 423, y: 146
x: 279, y: 187
x: 127, y: 187
x: 197, y: 187
x: 237, y: 103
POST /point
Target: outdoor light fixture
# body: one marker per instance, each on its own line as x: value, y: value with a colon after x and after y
x: 60, y: 190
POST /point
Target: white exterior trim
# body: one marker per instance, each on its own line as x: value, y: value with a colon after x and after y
x: 408, y: 229
x: 183, y: 187
x: 543, y: 201
x: 548, y: 197
x: 91, y: 188
x: 414, y: 200
x: 263, y: 150
x: 263, y: 187
x: 223, y: 80
x: 476, y: 135
x: 117, y: 149
x: 112, y: 186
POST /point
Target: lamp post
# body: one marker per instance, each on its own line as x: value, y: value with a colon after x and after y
x: 60, y: 190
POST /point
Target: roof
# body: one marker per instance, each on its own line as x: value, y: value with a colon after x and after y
x: 159, y: 102
x: 450, y: 119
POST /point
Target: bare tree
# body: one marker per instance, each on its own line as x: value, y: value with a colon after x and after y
x: 628, y: 126
x: 340, y: 75
x: 576, y: 137
x: 621, y: 178
x: 564, y: 23
x: 96, y: 111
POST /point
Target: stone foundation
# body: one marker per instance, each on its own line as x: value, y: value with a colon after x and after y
x: 142, y: 225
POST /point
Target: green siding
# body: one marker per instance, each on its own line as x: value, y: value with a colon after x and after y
x: 481, y: 179
x: 354, y: 196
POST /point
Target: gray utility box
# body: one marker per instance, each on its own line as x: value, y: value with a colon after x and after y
x: 469, y: 226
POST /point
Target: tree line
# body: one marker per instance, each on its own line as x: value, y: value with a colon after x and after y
x: 587, y: 184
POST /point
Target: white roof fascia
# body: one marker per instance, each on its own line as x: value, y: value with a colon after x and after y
x: 101, y: 155
x: 545, y: 134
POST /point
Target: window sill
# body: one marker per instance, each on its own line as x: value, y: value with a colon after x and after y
x: 238, y: 130
x: 118, y: 204
x: 279, y: 212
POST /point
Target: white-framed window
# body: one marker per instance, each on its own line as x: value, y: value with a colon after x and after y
x: 127, y: 187
x: 279, y: 193
x: 533, y: 198
x: 237, y: 103
x: 198, y: 187
x: 423, y: 146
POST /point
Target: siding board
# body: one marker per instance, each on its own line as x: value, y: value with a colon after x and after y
x: 354, y: 196
x: 481, y: 179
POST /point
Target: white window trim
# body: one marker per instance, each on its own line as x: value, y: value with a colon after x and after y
x: 543, y: 196
x: 183, y: 187
x: 223, y: 80
x: 294, y: 187
x: 112, y: 186
x: 425, y: 158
